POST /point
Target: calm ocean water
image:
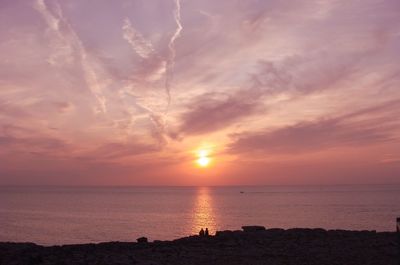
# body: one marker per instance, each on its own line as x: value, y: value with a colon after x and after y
x: 61, y: 215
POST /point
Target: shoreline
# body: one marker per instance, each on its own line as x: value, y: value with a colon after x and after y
x: 253, y: 245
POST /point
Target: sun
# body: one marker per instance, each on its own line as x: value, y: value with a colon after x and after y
x: 203, y: 159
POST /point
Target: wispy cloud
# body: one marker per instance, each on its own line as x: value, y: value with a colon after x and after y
x: 139, y: 44
x: 211, y: 112
x: 369, y: 126
x: 154, y: 66
x: 118, y: 150
x: 172, y: 52
x: 72, y: 46
x: 38, y: 145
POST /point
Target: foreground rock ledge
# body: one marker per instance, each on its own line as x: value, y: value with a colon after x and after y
x: 271, y: 246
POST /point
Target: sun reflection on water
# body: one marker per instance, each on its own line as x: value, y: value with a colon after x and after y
x: 203, y: 214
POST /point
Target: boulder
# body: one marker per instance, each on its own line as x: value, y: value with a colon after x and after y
x: 142, y: 240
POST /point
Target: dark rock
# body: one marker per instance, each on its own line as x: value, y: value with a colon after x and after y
x: 273, y: 246
x: 142, y: 240
x: 253, y: 228
x: 276, y: 231
x: 224, y: 233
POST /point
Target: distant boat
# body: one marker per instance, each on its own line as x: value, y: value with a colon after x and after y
x: 241, y: 191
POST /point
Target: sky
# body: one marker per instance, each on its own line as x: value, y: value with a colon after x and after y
x: 132, y: 92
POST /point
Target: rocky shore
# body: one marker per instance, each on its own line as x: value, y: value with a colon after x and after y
x: 249, y: 246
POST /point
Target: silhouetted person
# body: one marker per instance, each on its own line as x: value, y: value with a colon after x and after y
x: 206, y: 233
x: 201, y: 233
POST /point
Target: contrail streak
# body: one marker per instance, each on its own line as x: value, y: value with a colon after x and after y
x: 138, y: 43
x: 70, y: 40
x: 172, y: 52
x: 146, y: 51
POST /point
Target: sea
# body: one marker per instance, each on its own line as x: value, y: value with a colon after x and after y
x: 71, y: 215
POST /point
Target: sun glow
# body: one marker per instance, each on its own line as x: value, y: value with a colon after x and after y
x: 203, y: 158
x: 203, y: 161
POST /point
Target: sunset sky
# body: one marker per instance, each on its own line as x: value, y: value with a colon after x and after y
x: 133, y: 92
